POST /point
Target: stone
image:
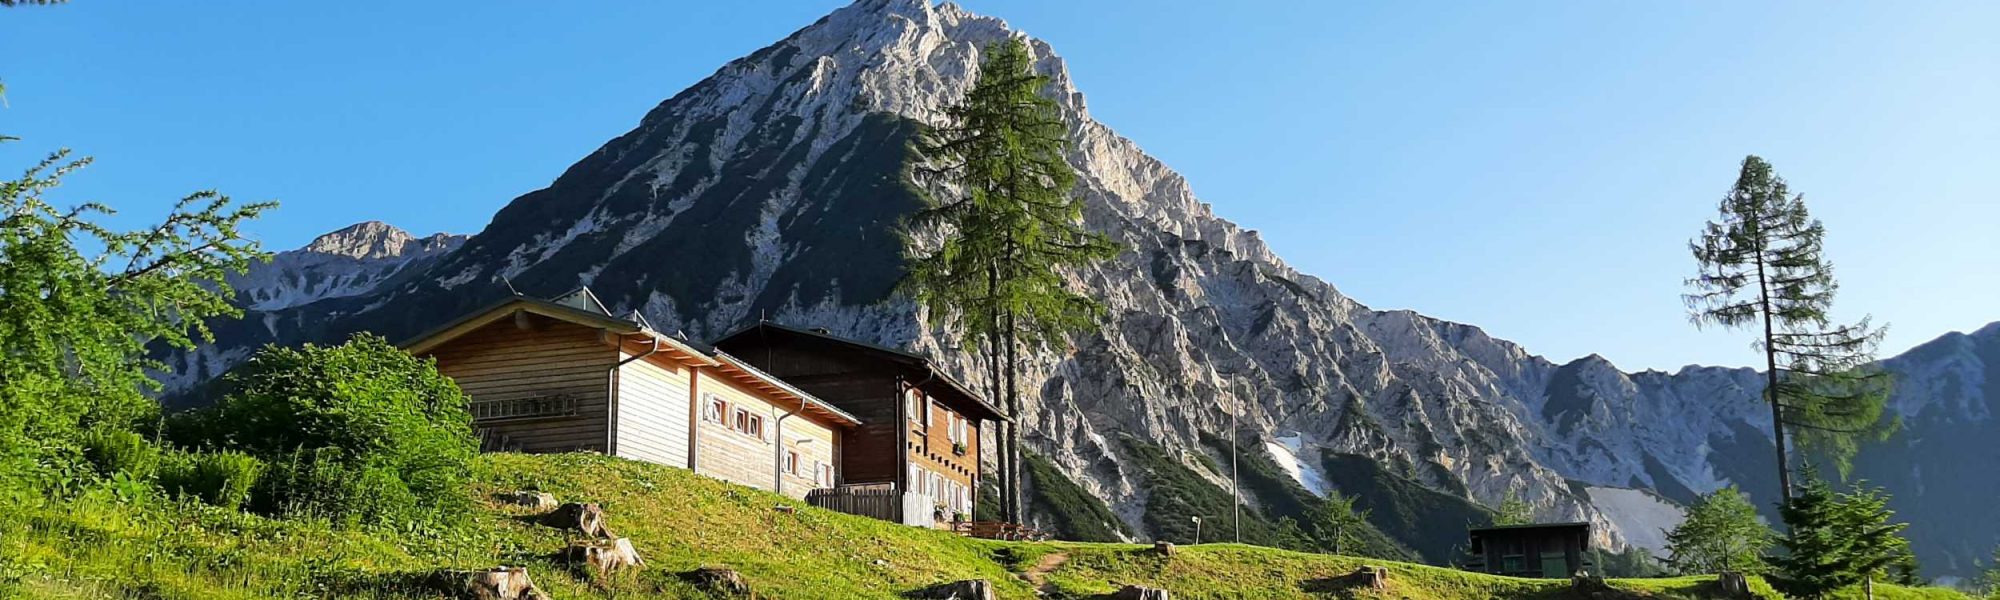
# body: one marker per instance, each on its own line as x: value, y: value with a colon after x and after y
x: 1140, y: 592
x: 1163, y: 548
x: 585, y: 518
x: 533, y: 500
x: 604, y: 558
x: 719, y: 581
x: 970, y: 589
x: 499, y: 583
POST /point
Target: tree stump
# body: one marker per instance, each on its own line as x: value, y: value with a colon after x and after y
x: 1163, y: 548
x: 1139, y: 592
x: 604, y: 558
x: 719, y: 581
x: 1371, y: 577
x: 1733, y: 584
x: 586, y: 518
x: 500, y: 583
x: 970, y: 589
x: 535, y: 501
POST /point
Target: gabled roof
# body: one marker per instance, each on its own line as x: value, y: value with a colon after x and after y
x: 910, y: 360
x: 584, y: 309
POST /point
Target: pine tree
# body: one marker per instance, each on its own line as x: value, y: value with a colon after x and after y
x: 1836, y: 540
x: 1875, y: 542
x: 1009, y: 223
x: 1763, y: 267
x: 1514, y: 511
x: 1340, y: 524
x: 1815, y: 550
x: 1721, y: 533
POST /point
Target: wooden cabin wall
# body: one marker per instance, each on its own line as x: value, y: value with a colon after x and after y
x: 930, y: 444
x: 730, y: 455
x: 501, y: 361
x: 654, y: 408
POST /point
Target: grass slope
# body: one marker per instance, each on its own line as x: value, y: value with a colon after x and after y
x: 99, y: 546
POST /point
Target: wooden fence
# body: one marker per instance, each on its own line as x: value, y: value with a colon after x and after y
x: 878, y: 500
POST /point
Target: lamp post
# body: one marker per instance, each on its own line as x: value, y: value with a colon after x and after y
x: 1197, y: 530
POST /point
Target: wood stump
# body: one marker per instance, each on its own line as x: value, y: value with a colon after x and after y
x: 970, y: 589
x: 499, y: 583
x: 1139, y: 592
x: 1163, y: 548
x: 603, y: 558
x: 586, y: 518
x: 1733, y: 584
x: 719, y: 581
x: 535, y: 501
x: 1371, y: 577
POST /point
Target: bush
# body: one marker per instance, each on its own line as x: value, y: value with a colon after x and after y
x: 218, y: 478
x: 113, y: 451
x: 359, y: 432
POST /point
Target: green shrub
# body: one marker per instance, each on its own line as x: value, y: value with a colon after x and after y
x: 222, y: 478
x: 113, y: 451
x: 359, y: 432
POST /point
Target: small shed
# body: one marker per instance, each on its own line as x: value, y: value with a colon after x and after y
x: 1541, y: 550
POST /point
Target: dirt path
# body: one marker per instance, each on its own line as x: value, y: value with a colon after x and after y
x: 1037, y: 574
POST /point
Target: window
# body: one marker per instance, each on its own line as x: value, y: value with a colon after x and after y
x: 930, y: 411
x: 822, y: 474
x: 749, y: 424
x: 792, y: 462
x: 713, y: 408
x: 914, y: 407
x: 958, y: 429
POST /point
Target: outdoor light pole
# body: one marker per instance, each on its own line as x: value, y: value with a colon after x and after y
x: 1235, y: 487
x: 1197, y: 530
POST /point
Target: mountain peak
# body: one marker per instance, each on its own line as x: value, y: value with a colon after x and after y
x: 375, y: 240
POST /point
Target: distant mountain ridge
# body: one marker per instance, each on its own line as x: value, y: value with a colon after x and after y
x: 773, y: 189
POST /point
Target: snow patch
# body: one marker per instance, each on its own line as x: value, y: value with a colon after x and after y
x: 1642, y: 517
x: 1285, y: 450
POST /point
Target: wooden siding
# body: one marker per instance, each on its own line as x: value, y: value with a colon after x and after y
x: 931, y: 446
x: 503, y: 361
x: 725, y: 453
x: 653, y: 410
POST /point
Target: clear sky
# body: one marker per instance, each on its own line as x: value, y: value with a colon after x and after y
x: 1535, y: 168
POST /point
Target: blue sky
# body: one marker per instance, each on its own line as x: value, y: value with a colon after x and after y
x: 1535, y: 168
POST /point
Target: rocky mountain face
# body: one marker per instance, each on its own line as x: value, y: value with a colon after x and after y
x: 774, y: 189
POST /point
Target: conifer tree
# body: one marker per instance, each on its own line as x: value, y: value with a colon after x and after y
x: 1009, y: 222
x: 1835, y: 540
x: 1721, y: 533
x: 1340, y: 524
x: 1763, y: 268
x: 1514, y: 511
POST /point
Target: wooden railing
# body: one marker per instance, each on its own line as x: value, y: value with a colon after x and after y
x: 517, y: 409
x: 878, y: 500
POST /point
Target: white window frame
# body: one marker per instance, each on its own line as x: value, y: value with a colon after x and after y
x: 714, y: 409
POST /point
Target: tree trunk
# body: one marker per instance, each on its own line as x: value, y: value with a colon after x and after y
x: 1013, y: 473
x: 1771, y: 380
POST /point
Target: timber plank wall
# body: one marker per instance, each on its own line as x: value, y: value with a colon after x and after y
x: 503, y: 361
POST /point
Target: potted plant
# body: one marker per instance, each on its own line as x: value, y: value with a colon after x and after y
x: 958, y: 448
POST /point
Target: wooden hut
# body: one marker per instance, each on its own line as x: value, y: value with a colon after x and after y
x: 566, y: 375
x: 915, y: 458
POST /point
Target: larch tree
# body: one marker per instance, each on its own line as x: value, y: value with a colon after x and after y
x: 1721, y: 533
x: 1763, y: 267
x: 1001, y: 223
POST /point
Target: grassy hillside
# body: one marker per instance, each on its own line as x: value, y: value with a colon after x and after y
x: 111, y: 544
